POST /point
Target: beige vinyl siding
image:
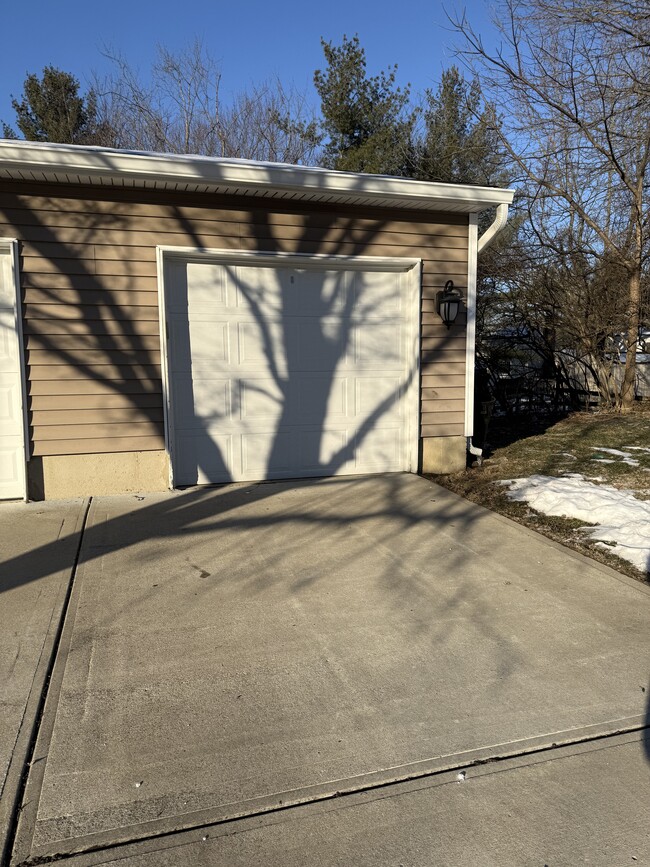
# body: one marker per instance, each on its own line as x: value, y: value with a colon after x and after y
x: 88, y: 273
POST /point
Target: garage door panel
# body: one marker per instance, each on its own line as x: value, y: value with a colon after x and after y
x: 10, y: 402
x: 212, y: 289
x: 262, y: 345
x: 275, y: 370
x: 379, y: 448
x: 331, y: 446
x: 193, y: 342
x: 318, y: 293
x: 323, y: 345
x: 373, y: 394
x: 296, y: 345
x: 9, y: 349
x: 376, y: 294
x: 322, y: 397
x: 260, y: 399
x: 281, y: 293
x: 259, y: 291
x: 203, y: 400
x: 378, y: 345
x: 210, y: 341
x: 203, y: 457
x: 10, y: 466
x: 268, y: 453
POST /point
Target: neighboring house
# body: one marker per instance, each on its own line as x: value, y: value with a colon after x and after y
x: 174, y: 320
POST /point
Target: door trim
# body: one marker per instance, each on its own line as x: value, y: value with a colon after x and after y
x: 410, y: 267
x: 9, y: 247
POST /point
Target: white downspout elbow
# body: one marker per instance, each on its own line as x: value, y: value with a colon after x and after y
x: 493, y: 230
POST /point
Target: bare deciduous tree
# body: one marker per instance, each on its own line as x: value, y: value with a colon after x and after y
x: 573, y: 83
x: 179, y: 109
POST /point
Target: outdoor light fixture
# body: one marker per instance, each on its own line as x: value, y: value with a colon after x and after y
x: 449, y: 303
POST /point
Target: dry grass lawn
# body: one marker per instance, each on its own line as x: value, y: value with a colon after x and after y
x: 526, y: 446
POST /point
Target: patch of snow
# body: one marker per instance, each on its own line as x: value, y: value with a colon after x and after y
x: 637, y: 449
x: 619, y: 517
x: 617, y: 452
x: 625, y: 457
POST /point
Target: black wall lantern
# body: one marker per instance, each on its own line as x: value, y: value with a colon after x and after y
x: 449, y: 303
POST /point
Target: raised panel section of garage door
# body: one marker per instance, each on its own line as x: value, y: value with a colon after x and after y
x: 281, y: 372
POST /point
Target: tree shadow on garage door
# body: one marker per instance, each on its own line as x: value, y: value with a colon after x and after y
x: 305, y: 399
x: 289, y: 369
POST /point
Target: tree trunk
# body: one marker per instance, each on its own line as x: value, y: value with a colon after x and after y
x: 629, y: 375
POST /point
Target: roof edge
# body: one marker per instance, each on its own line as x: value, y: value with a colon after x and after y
x: 133, y: 166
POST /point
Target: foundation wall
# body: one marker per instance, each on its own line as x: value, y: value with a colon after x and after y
x: 55, y: 477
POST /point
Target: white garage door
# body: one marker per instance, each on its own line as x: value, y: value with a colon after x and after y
x: 12, y: 427
x: 276, y: 371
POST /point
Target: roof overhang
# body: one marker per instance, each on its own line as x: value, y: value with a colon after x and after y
x: 38, y: 162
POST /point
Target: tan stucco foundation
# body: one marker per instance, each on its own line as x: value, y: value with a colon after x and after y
x: 442, y: 455
x: 55, y: 477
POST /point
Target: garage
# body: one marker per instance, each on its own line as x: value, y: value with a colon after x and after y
x: 189, y: 320
x: 289, y: 366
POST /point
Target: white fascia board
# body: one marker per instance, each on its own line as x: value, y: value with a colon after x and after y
x: 23, y: 156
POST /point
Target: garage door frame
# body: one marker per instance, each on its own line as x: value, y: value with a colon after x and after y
x: 409, y: 266
x: 9, y: 255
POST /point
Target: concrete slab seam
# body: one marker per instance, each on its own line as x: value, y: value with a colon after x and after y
x: 203, y: 834
x: 29, y: 736
x: 258, y: 807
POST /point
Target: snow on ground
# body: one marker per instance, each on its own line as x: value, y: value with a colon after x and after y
x: 623, y: 457
x: 619, y: 517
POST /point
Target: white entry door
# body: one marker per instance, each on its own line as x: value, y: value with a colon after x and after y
x: 283, y: 371
x: 12, y: 426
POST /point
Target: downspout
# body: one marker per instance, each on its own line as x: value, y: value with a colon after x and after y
x: 476, y: 245
x: 500, y: 220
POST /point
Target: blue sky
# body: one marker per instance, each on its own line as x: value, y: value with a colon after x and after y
x: 251, y: 41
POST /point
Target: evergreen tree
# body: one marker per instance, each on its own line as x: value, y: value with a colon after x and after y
x: 460, y: 144
x: 51, y: 109
x: 367, y: 120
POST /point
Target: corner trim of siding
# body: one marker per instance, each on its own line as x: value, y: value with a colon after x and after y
x: 164, y: 355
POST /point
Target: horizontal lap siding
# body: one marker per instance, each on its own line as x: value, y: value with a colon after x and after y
x: 88, y: 274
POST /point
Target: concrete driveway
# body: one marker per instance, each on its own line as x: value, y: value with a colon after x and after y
x: 238, y: 660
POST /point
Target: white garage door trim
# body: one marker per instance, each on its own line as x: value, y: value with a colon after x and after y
x: 13, y: 400
x: 410, y: 267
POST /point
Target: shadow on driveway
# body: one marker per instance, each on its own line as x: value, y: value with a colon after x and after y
x: 234, y: 650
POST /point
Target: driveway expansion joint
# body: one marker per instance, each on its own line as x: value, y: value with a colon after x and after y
x: 96, y: 844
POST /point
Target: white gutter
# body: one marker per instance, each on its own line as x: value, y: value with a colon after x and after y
x: 493, y: 230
